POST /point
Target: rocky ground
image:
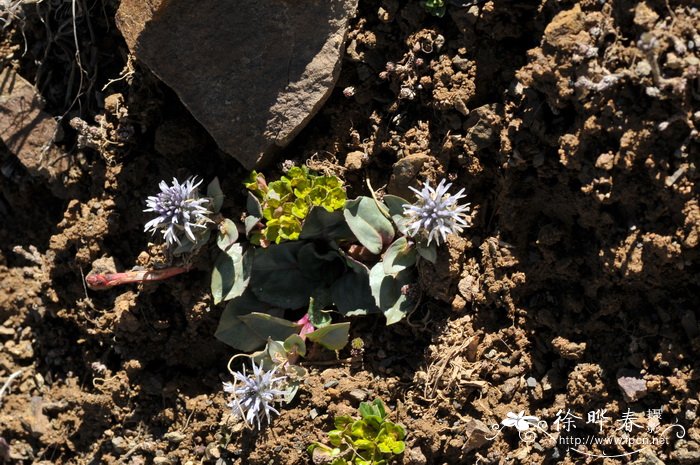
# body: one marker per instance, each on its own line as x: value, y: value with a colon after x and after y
x: 573, y: 127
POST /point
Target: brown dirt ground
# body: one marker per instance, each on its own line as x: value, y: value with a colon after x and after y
x: 579, y: 158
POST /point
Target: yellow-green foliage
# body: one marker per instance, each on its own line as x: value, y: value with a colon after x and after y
x: 286, y: 202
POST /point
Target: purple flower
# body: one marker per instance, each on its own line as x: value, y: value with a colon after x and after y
x: 254, y: 394
x: 180, y: 211
x: 436, y: 212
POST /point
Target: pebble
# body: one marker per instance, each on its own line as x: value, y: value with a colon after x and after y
x: 531, y: 382
x: 330, y: 384
x: 174, y: 437
x: 633, y: 387
x: 119, y: 445
x: 358, y: 395
x: 313, y: 413
x: 415, y: 456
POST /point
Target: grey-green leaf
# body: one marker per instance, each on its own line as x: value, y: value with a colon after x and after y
x: 429, y: 252
x: 368, y: 223
x: 250, y: 331
x: 277, y: 277
x: 253, y: 206
x: 228, y: 234
x: 352, y: 293
x: 216, y: 195
x: 399, y: 256
x: 395, y: 205
x: 231, y: 274
x: 295, y: 344
x: 387, y: 291
x: 332, y: 337
x: 322, y: 224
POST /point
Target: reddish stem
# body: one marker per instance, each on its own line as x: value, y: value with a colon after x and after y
x: 98, y: 281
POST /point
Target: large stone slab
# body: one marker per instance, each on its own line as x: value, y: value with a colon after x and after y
x: 253, y: 72
x: 26, y: 130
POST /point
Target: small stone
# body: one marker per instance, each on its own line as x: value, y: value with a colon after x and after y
x: 161, y: 461
x: 27, y: 131
x: 356, y: 160
x: 531, y: 382
x: 633, y: 387
x: 358, y: 395
x: 212, y: 451
x: 605, y: 161
x: 567, y: 349
x: 313, y: 413
x: 330, y: 384
x: 643, y: 68
x: 119, y: 445
x: 415, y: 456
x: 174, y: 437
x: 477, y: 433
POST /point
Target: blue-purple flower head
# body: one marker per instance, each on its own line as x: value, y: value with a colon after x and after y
x: 181, y: 211
x: 437, y: 213
x: 255, y: 394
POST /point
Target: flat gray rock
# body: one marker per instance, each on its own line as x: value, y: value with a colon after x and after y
x: 252, y: 72
x: 26, y: 130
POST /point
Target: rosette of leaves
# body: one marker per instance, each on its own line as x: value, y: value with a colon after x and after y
x: 349, y: 262
x: 284, y: 204
x: 368, y: 440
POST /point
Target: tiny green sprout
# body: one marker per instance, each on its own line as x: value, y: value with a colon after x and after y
x: 357, y: 344
x: 369, y: 440
x: 285, y: 203
x: 435, y: 7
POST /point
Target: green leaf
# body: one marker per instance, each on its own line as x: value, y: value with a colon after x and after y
x: 374, y: 409
x: 253, y: 206
x: 387, y: 292
x: 228, y: 234
x: 322, y: 224
x: 250, y: 331
x: 216, y: 195
x: 320, y: 265
x: 394, y: 205
x: 398, y: 257
x: 341, y: 421
x: 332, y: 337
x: 231, y: 274
x: 351, y: 293
x: 277, y: 277
x: 369, y: 225
x: 250, y: 223
x: 429, y: 252
x: 317, y: 316
x: 294, y: 344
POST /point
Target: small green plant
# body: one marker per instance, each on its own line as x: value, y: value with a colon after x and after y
x: 285, y: 203
x: 435, y: 7
x: 369, y: 440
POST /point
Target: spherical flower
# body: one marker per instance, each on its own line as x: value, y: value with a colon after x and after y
x: 436, y: 212
x: 254, y: 394
x: 180, y: 210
